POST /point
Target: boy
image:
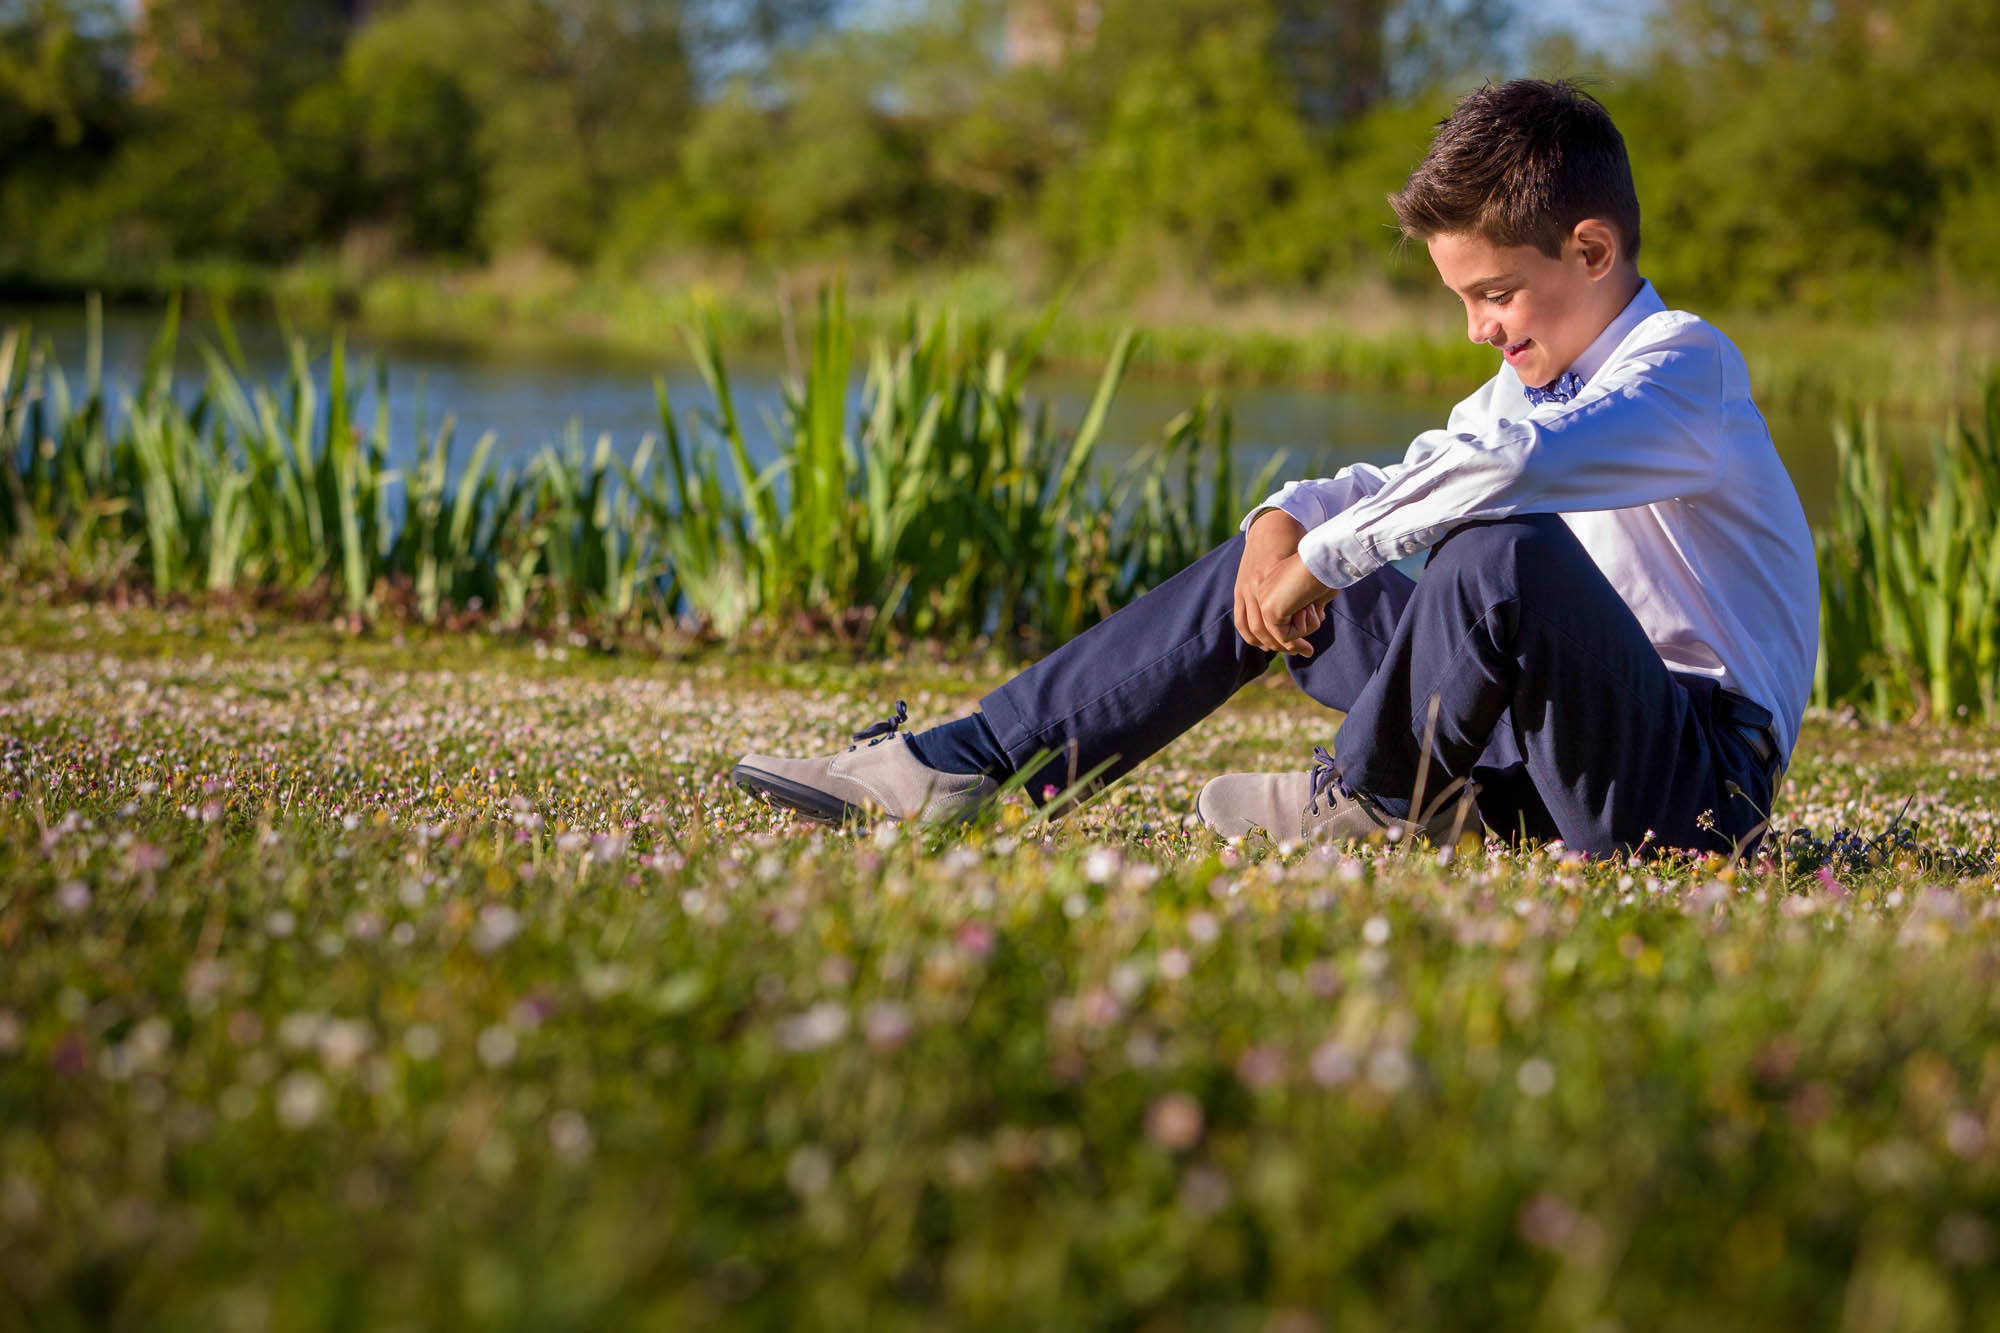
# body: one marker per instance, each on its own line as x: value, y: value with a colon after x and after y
x: 1613, y: 640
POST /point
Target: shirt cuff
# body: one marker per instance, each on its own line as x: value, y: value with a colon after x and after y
x: 1305, y: 521
x: 1337, y: 556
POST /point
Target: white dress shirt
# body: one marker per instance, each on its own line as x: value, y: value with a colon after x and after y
x: 1662, y: 467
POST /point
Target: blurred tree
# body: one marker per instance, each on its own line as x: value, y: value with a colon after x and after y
x: 1369, y: 156
x: 237, y: 151
x: 60, y: 84
x: 819, y: 168
x: 417, y: 130
x: 990, y: 119
x: 1203, y: 154
x: 744, y: 39
x: 720, y: 199
x: 548, y: 112
x: 63, y: 111
x: 1221, y: 129
x: 1817, y: 151
x: 1432, y: 44
x: 870, y: 141
x: 1337, y: 55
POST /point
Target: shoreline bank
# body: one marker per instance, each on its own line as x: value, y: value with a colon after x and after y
x: 1893, y: 366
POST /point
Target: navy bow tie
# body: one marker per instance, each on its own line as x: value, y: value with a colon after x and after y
x: 1566, y: 386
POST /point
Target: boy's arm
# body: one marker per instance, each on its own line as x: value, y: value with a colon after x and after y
x: 1278, y: 602
x: 1642, y: 432
x: 1272, y: 533
x: 1312, y: 501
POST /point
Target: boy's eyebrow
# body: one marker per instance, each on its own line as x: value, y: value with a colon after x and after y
x: 1498, y: 280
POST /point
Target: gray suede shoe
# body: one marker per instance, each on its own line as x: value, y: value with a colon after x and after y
x: 882, y: 777
x: 1308, y: 807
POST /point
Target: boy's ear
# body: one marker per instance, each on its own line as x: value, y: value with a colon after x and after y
x: 1595, y: 242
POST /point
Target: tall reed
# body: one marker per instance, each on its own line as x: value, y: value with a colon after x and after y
x: 948, y: 503
x: 945, y: 502
x: 1910, y: 586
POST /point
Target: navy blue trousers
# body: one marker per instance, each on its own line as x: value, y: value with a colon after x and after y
x: 1548, y: 694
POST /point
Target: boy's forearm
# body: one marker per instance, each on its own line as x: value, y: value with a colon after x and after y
x: 1274, y: 534
x: 1314, y: 500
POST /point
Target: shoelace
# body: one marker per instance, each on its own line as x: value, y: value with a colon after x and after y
x: 1325, y: 776
x: 886, y: 727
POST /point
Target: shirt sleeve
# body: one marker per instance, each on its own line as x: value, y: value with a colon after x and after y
x: 1313, y: 501
x: 1640, y: 432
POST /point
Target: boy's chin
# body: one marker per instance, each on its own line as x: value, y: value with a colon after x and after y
x: 1528, y: 365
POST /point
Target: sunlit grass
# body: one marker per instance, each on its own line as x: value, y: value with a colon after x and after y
x: 433, y: 985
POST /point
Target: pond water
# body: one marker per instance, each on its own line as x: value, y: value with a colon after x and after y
x: 529, y: 398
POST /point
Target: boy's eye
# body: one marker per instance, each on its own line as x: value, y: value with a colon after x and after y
x: 1499, y: 298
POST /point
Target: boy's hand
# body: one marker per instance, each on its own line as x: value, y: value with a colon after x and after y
x: 1278, y: 601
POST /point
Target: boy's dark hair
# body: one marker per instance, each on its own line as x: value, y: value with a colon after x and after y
x: 1522, y: 164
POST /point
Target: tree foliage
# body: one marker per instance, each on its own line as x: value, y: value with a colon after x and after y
x: 1797, y: 153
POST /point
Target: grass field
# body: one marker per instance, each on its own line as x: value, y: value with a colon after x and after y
x: 445, y: 982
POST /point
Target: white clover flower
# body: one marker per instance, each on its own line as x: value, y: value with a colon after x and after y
x: 342, y: 1042
x: 1102, y: 864
x: 818, y: 1027
x: 497, y: 1046
x: 300, y: 1029
x: 808, y: 1171
x: 421, y: 1041
x: 886, y: 1025
x: 569, y: 1135
x: 301, y: 1100
x: 1390, y: 1069
x: 497, y: 924
x: 1332, y: 1064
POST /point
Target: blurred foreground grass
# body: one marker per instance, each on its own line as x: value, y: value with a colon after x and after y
x: 349, y: 984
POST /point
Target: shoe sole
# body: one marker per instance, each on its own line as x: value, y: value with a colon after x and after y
x: 808, y: 801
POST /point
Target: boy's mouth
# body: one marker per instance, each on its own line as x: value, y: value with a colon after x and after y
x: 1514, y: 351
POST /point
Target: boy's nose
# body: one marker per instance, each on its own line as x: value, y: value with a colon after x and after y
x: 1481, y: 329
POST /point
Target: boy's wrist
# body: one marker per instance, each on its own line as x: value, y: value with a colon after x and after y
x: 1274, y: 528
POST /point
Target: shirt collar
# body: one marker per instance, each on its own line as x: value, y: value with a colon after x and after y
x: 1644, y: 304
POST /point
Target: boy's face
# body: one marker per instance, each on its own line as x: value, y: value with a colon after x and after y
x: 1540, y: 312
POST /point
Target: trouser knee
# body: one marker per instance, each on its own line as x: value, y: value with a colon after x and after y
x: 1506, y: 557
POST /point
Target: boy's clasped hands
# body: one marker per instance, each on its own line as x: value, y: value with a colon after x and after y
x: 1278, y: 601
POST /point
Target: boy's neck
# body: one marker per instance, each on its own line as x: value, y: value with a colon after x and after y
x: 1619, y: 287
x: 1631, y: 284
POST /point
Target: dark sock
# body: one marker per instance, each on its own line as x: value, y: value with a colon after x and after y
x: 965, y: 746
